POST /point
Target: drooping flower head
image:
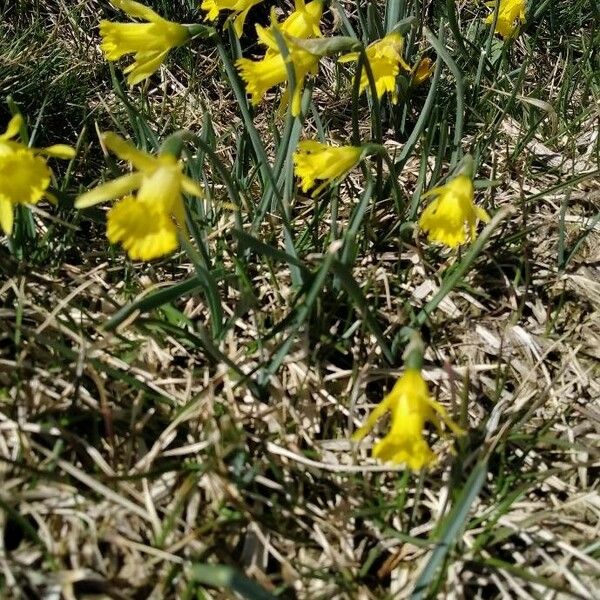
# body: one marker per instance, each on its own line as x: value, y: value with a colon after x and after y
x: 24, y: 174
x: 145, y: 224
x: 511, y: 16
x: 314, y: 161
x: 239, y: 8
x: 451, y: 212
x: 149, y: 42
x: 385, y: 59
x: 261, y: 75
x: 411, y: 407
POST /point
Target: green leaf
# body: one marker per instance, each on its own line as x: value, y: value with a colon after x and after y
x: 450, y: 531
x: 154, y: 300
x: 220, y: 576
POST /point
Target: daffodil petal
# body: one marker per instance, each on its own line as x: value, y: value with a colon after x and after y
x: 445, y: 417
x: 109, y: 191
x: 136, y: 9
x: 59, y: 151
x: 238, y: 24
x: 266, y: 38
x: 352, y: 56
x: 142, y: 69
x: 432, y: 192
x: 374, y: 416
x: 6, y: 215
x: 50, y: 197
x: 127, y: 151
x: 482, y: 214
x: 13, y: 128
x: 191, y: 187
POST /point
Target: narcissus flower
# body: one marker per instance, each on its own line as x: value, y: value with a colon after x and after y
x: 24, y: 174
x: 146, y: 224
x: 385, y: 59
x: 302, y: 23
x: 452, y: 210
x: 239, y: 8
x: 261, y: 75
x: 511, y: 16
x: 314, y: 161
x: 149, y: 42
x: 411, y: 407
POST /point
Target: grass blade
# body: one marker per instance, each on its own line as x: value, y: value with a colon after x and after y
x: 223, y: 576
x: 450, y: 531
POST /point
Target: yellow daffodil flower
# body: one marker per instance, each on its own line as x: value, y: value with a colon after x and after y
x: 146, y: 224
x: 304, y: 20
x: 511, y: 16
x: 316, y: 161
x: 451, y: 210
x: 24, y: 174
x: 411, y: 407
x: 385, y: 59
x: 149, y: 42
x: 261, y: 75
x: 239, y: 8
x: 302, y: 23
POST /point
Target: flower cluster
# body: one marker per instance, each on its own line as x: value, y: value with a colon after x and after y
x: 149, y: 218
x: 261, y: 75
